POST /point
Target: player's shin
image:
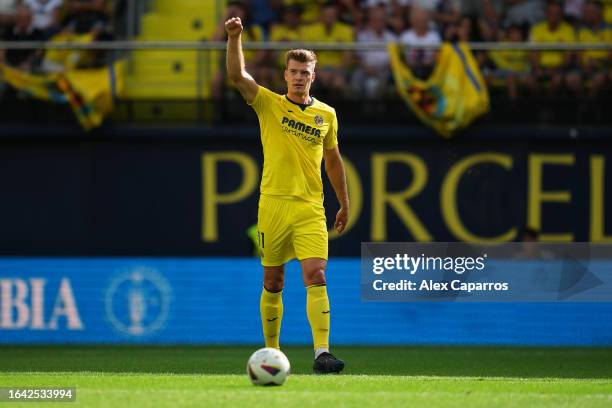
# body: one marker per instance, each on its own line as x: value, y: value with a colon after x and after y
x: 317, y: 308
x: 271, y: 307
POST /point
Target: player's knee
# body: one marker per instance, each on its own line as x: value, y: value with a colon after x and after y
x: 274, y: 283
x: 273, y: 287
x: 315, y: 276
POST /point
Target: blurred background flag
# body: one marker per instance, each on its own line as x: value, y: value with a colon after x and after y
x: 452, y: 97
x: 89, y: 92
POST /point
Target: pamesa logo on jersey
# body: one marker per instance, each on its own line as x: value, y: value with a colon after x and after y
x: 137, y: 301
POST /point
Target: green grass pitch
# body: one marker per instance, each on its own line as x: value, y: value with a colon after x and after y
x: 380, y: 377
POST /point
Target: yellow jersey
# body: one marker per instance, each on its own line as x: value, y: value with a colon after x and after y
x: 540, y: 33
x: 339, y: 32
x: 293, y: 137
x: 588, y: 35
x: 516, y: 61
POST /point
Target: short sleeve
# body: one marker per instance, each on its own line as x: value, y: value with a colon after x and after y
x: 262, y: 100
x: 331, y: 139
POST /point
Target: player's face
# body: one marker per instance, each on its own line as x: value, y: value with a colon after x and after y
x: 299, y: 77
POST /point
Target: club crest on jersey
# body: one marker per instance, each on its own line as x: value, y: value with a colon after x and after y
x: 318, y: 119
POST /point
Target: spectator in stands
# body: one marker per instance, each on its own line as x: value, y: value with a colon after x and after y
x: 396, y: 24
x: 289, y: 29
x: 257, y: 61
x: 8, y: 9
x: 332, y: 65
x: 421, y: 61
x: 459, y: 31
x: 441, y: 12
x: 573, y: 11
x: 484, y: 16
x: 351, y: 13
x: 595, y: 64
x: 86, y: 16
x: 46, y: 15
x: 524, y: 12
x: 373, y: 75
x: 311, y: 9
x: 509, y: 66
x: 551, y: 66
x: 392, y: 7
x: 265, y: 13
x: 22, y: 30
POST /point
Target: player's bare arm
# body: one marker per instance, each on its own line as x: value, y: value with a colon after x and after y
x: 334, y: 167
x: 236, y: 71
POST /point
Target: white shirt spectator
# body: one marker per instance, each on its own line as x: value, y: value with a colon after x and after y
x: 420, y: 56
x: 574, y: 8
x: 376, y: 59
x: 525, y: 11
x: 43, y: 12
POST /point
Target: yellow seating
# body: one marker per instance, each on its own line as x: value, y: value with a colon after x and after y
x: 156, y: 26
x: 166, y: 111
x: 203, y: 9
x: 174, y: 74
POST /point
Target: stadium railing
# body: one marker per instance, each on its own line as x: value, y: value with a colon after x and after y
x: 172, y: 81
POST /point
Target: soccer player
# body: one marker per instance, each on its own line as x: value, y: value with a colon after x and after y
x: 297, y: 131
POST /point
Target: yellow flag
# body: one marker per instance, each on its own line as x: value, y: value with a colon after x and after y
x: 452, y: 97
x: 89, y: 92
x: 69, y: 58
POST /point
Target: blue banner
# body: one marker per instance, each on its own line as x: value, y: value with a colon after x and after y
x: 216, y: 301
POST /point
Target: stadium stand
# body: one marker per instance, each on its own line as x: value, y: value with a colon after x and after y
x: 175, y: 74
x: 168, y: 84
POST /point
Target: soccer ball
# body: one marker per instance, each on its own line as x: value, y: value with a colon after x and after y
x: 268, y: 366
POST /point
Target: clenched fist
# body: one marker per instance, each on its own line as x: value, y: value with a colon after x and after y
x: 233, y: 26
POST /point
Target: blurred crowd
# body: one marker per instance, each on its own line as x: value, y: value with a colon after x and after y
x: 54, y: 20
x: 366, y: 74
x: 361, y: 74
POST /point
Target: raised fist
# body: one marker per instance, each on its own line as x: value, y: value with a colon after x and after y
x: 233, y: 26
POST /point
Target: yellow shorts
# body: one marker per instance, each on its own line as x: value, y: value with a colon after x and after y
x: 290, y: 228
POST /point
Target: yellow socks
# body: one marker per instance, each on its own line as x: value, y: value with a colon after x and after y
x: 317, y: 308
x: 271, y: 307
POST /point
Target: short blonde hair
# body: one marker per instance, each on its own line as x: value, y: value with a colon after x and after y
x: 300, y: 55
